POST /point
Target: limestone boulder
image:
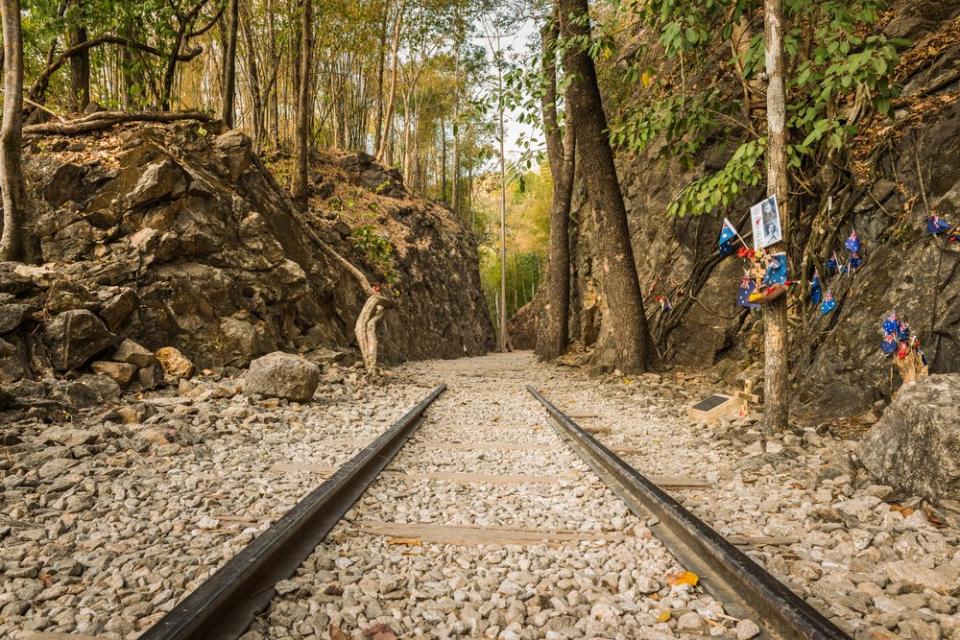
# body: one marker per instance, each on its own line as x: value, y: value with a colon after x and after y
x: 915, y: 446
x: 134, y: 353
x: 174, y: 363
x: 119, y: 372
x: 75, y: 336
x: 282, y: 375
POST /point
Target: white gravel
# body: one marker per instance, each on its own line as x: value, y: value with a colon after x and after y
x: 108, y: 521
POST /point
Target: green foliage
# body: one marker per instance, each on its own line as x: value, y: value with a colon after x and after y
x: 719, y: 190
x: 838, y: 74
x: 376, y: 249
x: 686, y: 122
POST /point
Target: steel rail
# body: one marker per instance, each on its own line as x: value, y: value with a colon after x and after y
x: 223, y: 607
x: 725, y: 571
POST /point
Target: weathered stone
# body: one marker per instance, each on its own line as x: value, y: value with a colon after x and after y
x: 134, y: 353
x: 174, y: 363
x: 70, y: 437
x: 119, y: 372
x: 64, y: 296
x: 160, y: 180
x: 118, y: 308
x: 150, y: 377
x: 747, y: 629
x: 941, y: 579
x: 11, y: 365
x: 282, y: 375
x: 11, y: 315
x: 916, y: 444
x: 135, y: 413
x: 74, y: 337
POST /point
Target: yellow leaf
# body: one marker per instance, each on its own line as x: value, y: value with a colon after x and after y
x: 664, y: 615
x: 687, y: 578
x: 411, y: 541
x: 646, y: 79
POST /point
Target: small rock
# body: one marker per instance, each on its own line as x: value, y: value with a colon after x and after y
x: 282, y: 375
x: 747, y: 629
x: 690, y: 621
x: 134, y: 353
x: 119, y: 372
x: 174, y: 363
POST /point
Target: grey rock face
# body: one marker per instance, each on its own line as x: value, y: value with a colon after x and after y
x: 282, y: 375
x: 916, y: 444
x: 74, y: 337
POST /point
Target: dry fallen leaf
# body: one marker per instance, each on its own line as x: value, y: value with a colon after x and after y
x: 904, y: 511
x: 411, y: 541
x: 664, y: 615
x: 687, y: 578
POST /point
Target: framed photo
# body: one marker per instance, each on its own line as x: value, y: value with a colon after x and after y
x: 765, y: 216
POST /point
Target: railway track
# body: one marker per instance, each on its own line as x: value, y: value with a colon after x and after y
x: 455, y: 486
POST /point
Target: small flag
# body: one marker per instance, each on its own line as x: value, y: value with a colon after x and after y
x: 889, y: 344
x: 747, y: 286
x: 855, y: 261
x: 828, y: 304
x: 937, y: 225
x: 816, y: 289
x: 852, y: 243
x: 890, y: 323
x: 903, y: 331
x: 832, y: 264
x: 727, y: 233
x: 777, y: 270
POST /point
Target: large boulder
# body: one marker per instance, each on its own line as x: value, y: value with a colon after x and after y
x: 282, y: 375
x: 74, y: 337
x: 916, y: 444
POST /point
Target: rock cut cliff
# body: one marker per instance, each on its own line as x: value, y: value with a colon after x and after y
x: 178, y: 235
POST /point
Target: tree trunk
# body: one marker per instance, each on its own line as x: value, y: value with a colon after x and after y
x: 79, y: 64
x: 455, y: 151
x: 230, y: 66
x: 381, y: 69
x: 628, y: 321
x: 504, y: 343
x: 382, y: 150
x: 553, y: 338
x: 776, y: 406
x: 11, y: 171
x: 304, y: 104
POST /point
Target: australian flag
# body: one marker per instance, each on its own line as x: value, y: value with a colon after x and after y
x: 747, y: 286
x: 727, y: 233
x: 937, y: 225
x: 816, y: 289
x: 853, y: 243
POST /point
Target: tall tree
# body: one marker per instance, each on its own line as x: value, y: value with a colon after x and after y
x: 628, y: 321
x: 11, y: 170
x: 79, y: 63
x: 776, y: 404
x: 304, y: 106
x: 230, y: 65
x: 561, y: 153
x: 383, y: 149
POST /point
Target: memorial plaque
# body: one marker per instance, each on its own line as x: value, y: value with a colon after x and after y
x: 713, y: 408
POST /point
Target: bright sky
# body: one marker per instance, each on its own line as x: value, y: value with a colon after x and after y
x: 515, y: 46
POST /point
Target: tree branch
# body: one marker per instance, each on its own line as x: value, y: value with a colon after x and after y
x: 106, y: 119
x: 40, y: 84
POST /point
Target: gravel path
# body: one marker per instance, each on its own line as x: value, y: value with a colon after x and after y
x: 107, y: 522
x: 622, y: 585
x: 105, y: 526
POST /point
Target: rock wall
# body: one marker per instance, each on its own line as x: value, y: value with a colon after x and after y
x: 178, y: 235
x: 841, y: 370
